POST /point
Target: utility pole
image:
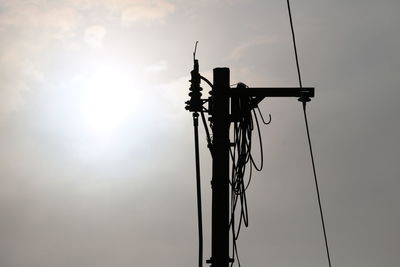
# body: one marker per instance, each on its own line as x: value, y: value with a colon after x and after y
x: 222, y: 110
x: 220, y: 169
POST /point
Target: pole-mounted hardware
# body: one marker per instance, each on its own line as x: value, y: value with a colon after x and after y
x: 195, y: 104
x: 225, y: 106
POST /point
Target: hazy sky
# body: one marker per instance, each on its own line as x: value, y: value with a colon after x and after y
x: 96, y: 149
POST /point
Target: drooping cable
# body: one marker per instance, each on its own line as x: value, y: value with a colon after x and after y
x: 198, y: 185
x: 208, y: 136
x: 207, y: 81
x: 245, y: 121
x: 304, y: 100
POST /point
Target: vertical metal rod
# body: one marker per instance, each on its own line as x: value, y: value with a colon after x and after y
x: 220, y: 170
x: 198, y: 185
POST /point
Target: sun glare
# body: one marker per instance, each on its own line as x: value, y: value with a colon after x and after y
x: 109, y: 100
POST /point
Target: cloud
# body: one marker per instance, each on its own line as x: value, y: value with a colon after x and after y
x: 54, y: 21
x: 157, y: 67
x: 146, y: 11
x: 94, y: 36
x: 28, y: 29
x: 32, y: 30
x: 240, y: 50
x: 17, y: 71
x: 62, y: 22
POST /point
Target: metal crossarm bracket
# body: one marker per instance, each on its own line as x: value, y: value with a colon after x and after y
x: 272, y: 92
x: 259, y: 93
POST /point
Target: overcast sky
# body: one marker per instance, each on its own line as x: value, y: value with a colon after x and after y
x: 97, y: 153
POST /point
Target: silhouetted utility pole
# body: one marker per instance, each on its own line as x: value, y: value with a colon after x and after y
x: 220, y: 168
x: 222, y: 110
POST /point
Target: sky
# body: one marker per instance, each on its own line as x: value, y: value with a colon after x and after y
x: 97, y: 152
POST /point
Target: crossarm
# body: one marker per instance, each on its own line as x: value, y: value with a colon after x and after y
x: 259, y: 93
x: 272, y: 92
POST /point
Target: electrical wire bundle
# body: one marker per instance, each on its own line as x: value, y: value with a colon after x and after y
x: 242, y: 165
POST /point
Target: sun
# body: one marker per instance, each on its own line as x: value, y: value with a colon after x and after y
x: 110, y: 98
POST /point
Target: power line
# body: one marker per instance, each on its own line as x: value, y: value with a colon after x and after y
x: 316, y: 186
x: 304, y: 100
x: 294, y: 43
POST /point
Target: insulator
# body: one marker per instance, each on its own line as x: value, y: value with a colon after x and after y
x: 195, y: 104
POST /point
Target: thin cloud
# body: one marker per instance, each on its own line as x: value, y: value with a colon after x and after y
x: 32, y: 27
x: 157, y: 67
x: 17, y: 72
x: 57, y: 22
x: 240, y: 50
x: 94, y: 36
x: 146, y: 11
